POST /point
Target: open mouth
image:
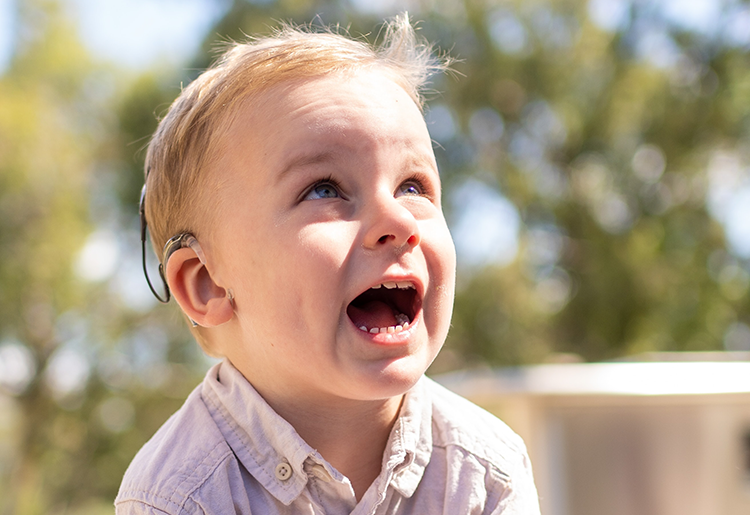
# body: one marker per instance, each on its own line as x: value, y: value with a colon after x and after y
x: 389, y: 307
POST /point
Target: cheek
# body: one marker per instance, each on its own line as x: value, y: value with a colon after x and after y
x: 441, y: 263
x: 326, y: 246
x: 299, y: 271
x: 259, y: 265
x: 441, y: 254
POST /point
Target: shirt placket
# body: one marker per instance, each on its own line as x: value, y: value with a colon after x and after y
x: 334, y: 496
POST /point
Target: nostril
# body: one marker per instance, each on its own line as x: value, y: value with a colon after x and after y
x: 411, y: 240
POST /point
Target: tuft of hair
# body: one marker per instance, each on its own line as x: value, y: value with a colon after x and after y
x: 414, y: 58
x: 181, y: 152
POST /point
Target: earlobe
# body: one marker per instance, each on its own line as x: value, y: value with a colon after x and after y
x: 201, y: 299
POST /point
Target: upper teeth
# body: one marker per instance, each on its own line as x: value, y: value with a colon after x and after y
x: 401, y: 285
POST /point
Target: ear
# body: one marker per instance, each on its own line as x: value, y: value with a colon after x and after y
x: 200, y: 298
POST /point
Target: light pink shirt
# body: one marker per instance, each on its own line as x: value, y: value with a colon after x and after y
x: 226, y: 451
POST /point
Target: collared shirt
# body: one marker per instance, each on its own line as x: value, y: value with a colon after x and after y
x: 227, y: 451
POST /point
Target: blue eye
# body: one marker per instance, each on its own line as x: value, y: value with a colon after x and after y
x: 322, y: 190
x: 411, y: 187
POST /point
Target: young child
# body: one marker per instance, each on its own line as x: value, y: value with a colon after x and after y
x: 294, y: 190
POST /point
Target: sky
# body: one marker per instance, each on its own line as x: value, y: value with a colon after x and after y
x: 141, y: 33
x: 132, y: 33
x: 6, y: 32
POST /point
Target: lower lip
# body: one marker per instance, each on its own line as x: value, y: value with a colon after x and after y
x: 398, y: 338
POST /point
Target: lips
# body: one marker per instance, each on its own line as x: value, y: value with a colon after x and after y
x: 389, y: 307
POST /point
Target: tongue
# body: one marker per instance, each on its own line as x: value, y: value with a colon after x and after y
x: 374, y: 313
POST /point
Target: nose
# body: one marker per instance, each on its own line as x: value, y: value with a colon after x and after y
x: 390, y: 223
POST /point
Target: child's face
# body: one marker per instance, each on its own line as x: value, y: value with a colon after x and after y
x: 326, y: 191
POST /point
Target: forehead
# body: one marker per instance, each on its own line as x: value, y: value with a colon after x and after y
x: 339, y: 100
x: 341, y: 112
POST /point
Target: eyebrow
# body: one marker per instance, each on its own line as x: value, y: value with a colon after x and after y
x: 420, y: 160
x: 306, y: 159
x: 325, y: 156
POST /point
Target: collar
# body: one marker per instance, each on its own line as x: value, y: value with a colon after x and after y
x: 279, y: 459
x: 409, y: 447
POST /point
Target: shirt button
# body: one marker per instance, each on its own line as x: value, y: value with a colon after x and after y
x: 283, y: 471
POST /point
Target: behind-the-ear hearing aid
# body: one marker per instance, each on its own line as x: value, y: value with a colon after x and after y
x: 174, y: 243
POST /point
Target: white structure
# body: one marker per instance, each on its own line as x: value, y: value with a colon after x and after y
x: 629, y: 438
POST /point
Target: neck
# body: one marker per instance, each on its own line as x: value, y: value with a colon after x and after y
x: 350, y: 435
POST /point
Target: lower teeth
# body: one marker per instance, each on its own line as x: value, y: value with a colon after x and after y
x: 401, y: 319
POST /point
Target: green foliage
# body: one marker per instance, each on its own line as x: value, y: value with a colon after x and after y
x: 638, y: 283
x: 65, y: 444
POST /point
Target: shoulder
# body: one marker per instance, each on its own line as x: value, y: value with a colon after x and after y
x: 457, y: 421
x: 477, y: 448
x: 186, y: 453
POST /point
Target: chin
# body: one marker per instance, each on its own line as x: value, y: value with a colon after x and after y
x: 394, y: 380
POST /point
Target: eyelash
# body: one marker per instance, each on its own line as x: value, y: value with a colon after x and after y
x: 327, y: 180
x: 424, y: 191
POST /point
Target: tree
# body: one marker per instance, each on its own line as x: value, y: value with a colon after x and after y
x: 81, y: 401
x: 609, y: 140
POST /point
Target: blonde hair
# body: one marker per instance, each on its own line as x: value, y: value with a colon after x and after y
x: 184, y: 144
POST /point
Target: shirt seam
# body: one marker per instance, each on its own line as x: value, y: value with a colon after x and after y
x: 221, y: 459
x: 318, y: 493
x: 144, y: 503
x: 488, y: 462
x: 130, y: 495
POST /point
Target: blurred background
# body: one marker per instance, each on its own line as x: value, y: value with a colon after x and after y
x: 596, y: 175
